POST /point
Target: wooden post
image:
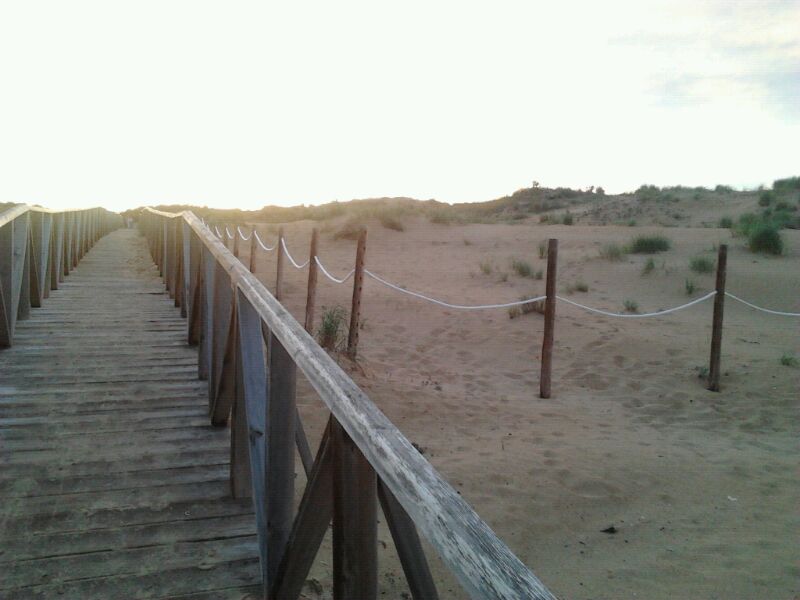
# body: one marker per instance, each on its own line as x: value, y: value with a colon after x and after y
x: 355, y: 521
x: 236, y: 241
x: 549, y: 319
x: 279, y: 269
x: 716, y: 331
x: 312, y: 281
x: 253, y: 246
x: 358, y: 284
x: 280, y: 434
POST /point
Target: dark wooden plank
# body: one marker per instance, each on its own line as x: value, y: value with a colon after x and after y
x: 310, y: 524
x: 408, y: 546
x: 355, y: 521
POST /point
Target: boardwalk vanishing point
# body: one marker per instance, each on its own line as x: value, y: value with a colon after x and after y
x: 114, y: 484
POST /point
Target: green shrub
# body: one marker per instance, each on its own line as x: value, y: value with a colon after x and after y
x: 648, y: 266
x: 649, y: 244
x: 522, y: 268
x: 725, y: 223
x: 689, y: 287
x: 631, y: 306
x: 766, y: 238
x: 578, y: 286
x: 786, y: 185
x: 721, y: 189
x: 701, y: 264
x: 746, y: 222
x: 766, y: 198
x: 331, y: 330
x: 486, y: 267
x: 542, y: 249
x: 789, y: 360
x: 350, y: 230
x: 568, y: 219
x: 391, y: 222
x: 612, y: 252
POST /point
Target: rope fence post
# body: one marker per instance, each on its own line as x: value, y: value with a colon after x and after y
x: 253, y: 245
x: 279, y: 268
x: 235, y: 242
x: 312, y: 281
x: 549, y: 319
x: 358, y: 284
x: 716, y: 331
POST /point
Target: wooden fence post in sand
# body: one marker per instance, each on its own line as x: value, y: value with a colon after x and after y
x: 312, y: 281
x: 236, y: 241
x: 253, y: 245
x: 279, y: 270
x: 549, y: 319
x: 358, y: 284
x: 716, y: 331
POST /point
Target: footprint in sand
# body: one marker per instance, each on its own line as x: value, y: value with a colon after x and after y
x: 594, y: 381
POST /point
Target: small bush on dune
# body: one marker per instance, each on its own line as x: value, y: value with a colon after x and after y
x: 331, y: 331
x: 350, y: 230
x: 542, y: 249
x: 649, y: 244
x: 648, y: 266
x: 391, y: 222
x: 578, y: 286
x: 725, y: 223
x: 631, y: 306
x: 689, y: 287
x: 568, y: 219
x: 766, y: 198
x: 789, y: 360
x: 701, y: 264
x: 612, y: 252
x: 486, y: 267
x: 766, y: 238
x: 522, y: 268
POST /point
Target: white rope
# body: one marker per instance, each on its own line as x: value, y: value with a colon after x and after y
x: 289, y: 256
x: 241, y: 235
x: 447, y: 304
x: 766, y: 310
x: 331, y: 277
x: 639, y: 316
x: 260, y: 243
x: 219, y: 235
x: 228, y: 233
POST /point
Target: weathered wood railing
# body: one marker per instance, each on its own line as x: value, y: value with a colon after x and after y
x: 250, y: 347
x: 38, y: 248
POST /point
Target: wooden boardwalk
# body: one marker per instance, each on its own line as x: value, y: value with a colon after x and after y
x: 113, y: 484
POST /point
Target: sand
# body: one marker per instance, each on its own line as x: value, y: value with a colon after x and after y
x: 702, y: 487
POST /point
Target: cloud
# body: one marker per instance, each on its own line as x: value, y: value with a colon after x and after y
x: 734, y: 54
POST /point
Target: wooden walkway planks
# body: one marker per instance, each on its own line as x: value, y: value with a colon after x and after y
x: 112, y: 482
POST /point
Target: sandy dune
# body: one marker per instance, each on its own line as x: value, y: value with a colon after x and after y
x: 702, y: 487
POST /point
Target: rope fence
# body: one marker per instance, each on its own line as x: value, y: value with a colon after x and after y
x: 550, y: 298
x: 765, y: 310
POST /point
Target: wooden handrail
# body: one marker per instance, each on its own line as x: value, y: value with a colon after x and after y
x: 38, y: 248
x: 482, y: 563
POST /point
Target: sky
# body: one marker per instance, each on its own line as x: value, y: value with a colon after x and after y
x: 244, y: 104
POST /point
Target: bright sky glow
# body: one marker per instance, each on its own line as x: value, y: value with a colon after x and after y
x: 242, y: 104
